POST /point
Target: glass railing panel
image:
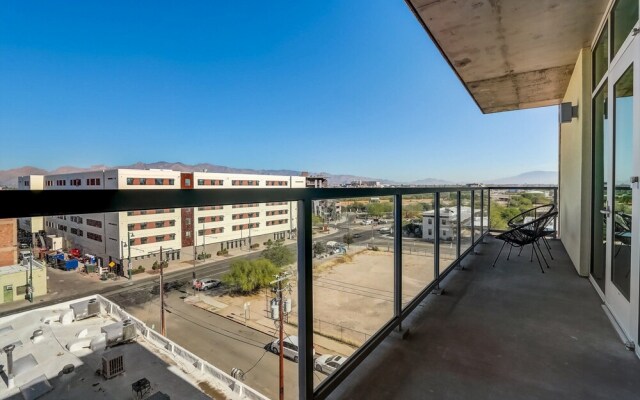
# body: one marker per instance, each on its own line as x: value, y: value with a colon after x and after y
x: 518, y: 206
x: 465, y: 221
x: 477, y: 214
x: 486, y: 210
x: 448, y: 229
x: 353, y: 277
x: 418, y: 235
x: 233, y: 252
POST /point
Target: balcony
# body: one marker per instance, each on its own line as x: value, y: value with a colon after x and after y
x: 506, y: 332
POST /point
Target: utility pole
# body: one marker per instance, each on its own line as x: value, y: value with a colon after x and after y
x: 30, y: 284
x: 162, y: 323
x: 122, y: 256
x: 129, y: 236
x: 194, y: 259
x: 204, y: 235
x: 279, y: 279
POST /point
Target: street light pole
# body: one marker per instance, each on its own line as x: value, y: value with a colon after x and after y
x: 30, y: 283
x: 194, y: 259
x: 129, y: 236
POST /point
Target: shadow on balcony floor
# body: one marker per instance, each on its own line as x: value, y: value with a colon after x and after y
x: 504, y: 333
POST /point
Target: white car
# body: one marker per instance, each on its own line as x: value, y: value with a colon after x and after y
x: 328, y: 363
x: 290, y: 347
x: 385, y: 230
x: 204, y: 284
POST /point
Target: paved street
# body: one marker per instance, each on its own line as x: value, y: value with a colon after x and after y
x: 224, y: 343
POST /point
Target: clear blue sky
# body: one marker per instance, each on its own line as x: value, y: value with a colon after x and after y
x: 338, y: 86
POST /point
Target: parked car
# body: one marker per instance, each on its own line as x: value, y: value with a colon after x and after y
x: 356, y: 235
x: 385, y: 230
x: 328, y: 363
x: 290, y: 347
x: 366, y: 222
x: 206, y: 284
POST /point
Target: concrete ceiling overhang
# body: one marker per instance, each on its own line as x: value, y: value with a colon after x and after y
x: 511, y: 54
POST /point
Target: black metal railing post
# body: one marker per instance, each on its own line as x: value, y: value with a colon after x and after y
x: 305, y: 299
x: 555, y: 220
x: 473, y: 222
x: 459, y: 227
x: 397, y: 258
x: 482, y: 214
x: 436, y: 241
x: 489, y: 210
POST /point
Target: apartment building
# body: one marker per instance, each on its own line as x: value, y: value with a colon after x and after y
x: 448, y: 222
x: 140, y: 234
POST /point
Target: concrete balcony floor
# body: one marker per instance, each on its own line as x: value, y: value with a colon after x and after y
x: 508, y: 332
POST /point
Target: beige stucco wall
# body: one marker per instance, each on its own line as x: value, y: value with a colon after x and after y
x: 575, y: 168
x: 20, y: 279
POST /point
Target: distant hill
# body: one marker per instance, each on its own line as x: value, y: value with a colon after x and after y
x: 431, y: 182
x: 9, y: 177
x: 529, y: 178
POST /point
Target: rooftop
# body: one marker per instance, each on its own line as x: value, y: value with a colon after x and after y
x: 39, y: 360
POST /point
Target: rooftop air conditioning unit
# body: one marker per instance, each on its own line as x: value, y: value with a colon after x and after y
x: 112, y: 364
x: 85, y: 309
x: 119, y: 332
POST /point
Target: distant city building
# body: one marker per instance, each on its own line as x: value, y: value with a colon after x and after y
x: 448, y: 222
x: 363, y: 184
x: 315, y: 182
x: 111, y: 237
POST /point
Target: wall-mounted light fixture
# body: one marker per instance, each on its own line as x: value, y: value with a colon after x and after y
x: 568, y: 112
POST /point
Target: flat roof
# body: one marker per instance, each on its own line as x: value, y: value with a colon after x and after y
x: 512, y: 54
x: 12, y: 269
x: 38, y: 364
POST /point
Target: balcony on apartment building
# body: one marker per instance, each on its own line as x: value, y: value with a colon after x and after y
x: 446, y: 323
x: 504, y: 332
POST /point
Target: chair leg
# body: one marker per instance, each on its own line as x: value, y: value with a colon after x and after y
x: 539, y: 263
x: 531, y: 260
x: 496, y: 260
x: 536, y: 243
x: 510, y: 247
x: 546, y: 244
x: 520, y: 252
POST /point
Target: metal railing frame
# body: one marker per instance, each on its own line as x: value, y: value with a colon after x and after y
x: 61, y: 202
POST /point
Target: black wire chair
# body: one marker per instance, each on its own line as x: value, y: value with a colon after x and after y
x: 525, y: 234
x: 532, y: 214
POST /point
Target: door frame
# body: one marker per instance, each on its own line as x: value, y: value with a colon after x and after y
x: 626, y: 313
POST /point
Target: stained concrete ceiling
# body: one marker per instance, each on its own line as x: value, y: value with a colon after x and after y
x: 511, y: 54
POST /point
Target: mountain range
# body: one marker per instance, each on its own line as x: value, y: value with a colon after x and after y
x: 9, y: 178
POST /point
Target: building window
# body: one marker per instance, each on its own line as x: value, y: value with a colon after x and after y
x: 95, y: 223
x: 623, y: 17
x: 244, y: 182
x: 210, y: 182
x: 277, y: 183
x: 94, y: 236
